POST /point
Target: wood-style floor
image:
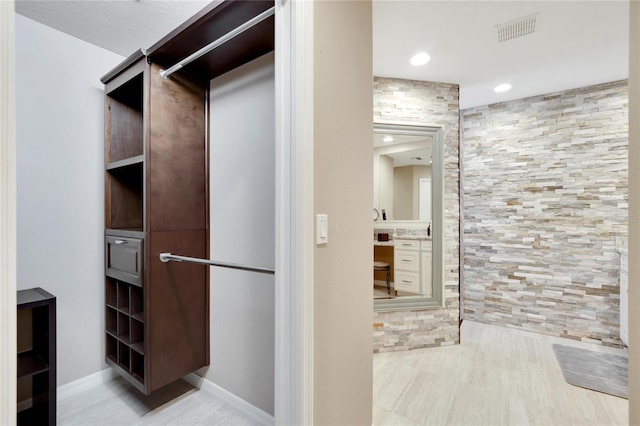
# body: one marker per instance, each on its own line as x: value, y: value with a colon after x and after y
x: 118, y: 403
x: 496, y: 376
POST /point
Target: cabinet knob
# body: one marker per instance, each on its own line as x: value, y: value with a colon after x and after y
x: 118, y: 242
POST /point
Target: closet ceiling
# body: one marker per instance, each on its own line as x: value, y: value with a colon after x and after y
x: 575, y: 44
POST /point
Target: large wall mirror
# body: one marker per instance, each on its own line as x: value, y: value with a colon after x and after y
x: 408, y: 188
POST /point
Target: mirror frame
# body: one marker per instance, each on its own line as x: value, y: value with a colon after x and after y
x: 437, y: 221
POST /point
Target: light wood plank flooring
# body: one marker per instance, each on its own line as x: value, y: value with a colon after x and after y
x: 118, y: 403
x: 496, y: 376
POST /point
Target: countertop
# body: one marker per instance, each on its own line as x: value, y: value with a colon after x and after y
x: 390, y: 243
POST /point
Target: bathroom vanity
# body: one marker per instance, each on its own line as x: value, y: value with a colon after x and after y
x: 411, y: 263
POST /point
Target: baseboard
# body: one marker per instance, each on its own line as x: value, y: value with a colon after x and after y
x: 85, y: 383
x: 232, y: 400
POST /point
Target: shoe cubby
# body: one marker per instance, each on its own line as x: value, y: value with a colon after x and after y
x: 136, y: 303
x: 124, y: 324
x: 112, y: 348
x: 111, y: 321
x: 123, y: 327
x: 112, y: 293
x: 137, y: 366
x: 123, y: 297
x: 136, y: 334
x: 124, y: 358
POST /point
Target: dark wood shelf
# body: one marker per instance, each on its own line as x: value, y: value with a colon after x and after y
x: 30, y: 363
x: 211, y: 23
x: 132, y: 59
x: 127, y: 162
x: 32, y: 297
x: 125, y: 232
x: 138, y: 347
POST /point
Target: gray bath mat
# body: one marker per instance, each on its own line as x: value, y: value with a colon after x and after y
x: 594, y: 370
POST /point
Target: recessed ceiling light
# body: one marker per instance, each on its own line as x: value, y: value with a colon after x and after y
x: 502, y: 88
x: 388, y: 139
x: 420, y: 59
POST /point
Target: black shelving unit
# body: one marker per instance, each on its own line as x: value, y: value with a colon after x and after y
x: 36, y: 357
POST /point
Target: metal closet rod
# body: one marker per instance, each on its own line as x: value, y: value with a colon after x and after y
x: 225, y: 38
x: 166, y: 257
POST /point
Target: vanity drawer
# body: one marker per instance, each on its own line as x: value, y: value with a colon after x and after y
x: 407, y: 260
x: 407, y: 244
x: 407, y: 281
x: 124, y: 259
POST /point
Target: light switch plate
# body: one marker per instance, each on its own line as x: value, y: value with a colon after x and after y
x: 322, y: 229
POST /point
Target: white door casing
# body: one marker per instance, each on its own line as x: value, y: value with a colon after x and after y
x: 294, y: 213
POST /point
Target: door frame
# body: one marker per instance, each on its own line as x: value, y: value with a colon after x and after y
x: 8, y: 359
x: 294, y: 213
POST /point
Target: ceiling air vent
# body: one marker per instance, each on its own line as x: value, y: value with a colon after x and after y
x: 516, y: 28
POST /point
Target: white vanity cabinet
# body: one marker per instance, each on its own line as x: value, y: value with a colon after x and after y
x: 426, y: 267
x: 412, y: 266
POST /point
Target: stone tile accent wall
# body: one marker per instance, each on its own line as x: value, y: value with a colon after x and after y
x: 397, y: 101
x: 545, y: 196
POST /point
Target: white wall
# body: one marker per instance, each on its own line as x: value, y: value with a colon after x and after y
x: 60, y: 185
x: 385, y: 188
x: 402, y: 193
x: 242, y: 192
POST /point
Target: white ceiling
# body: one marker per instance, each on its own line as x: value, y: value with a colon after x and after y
x: 576, y: 43
x: 121, y: 26
x: 417, y: 157
x: 405, y: 150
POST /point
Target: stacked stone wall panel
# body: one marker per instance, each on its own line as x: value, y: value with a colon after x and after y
x: 545, y: 191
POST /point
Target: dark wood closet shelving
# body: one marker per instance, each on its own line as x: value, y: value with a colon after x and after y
x: 156, y: 194
x: 30, y: 363
x: 36, y: 363
x: 211, y: 23
x: 131, y: 161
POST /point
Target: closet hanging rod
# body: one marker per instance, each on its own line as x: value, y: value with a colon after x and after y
x: 166, y: 257
x: 220, y: 41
